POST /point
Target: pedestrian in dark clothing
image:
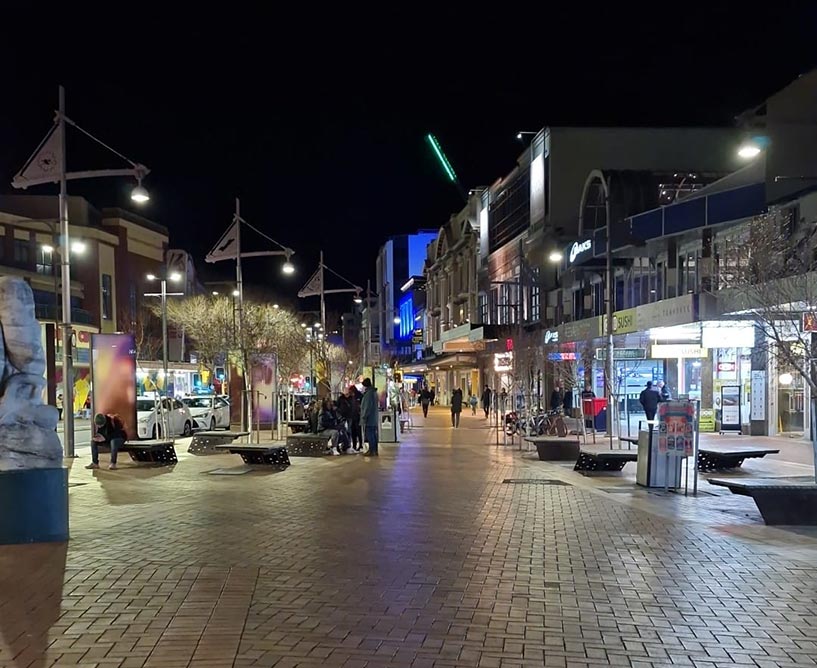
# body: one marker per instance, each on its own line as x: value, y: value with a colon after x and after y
x: 649, y: 400
x: 456, y: 407
x: 486, y: 400
x: 557, y: 398
x: 110, y: 432
x: 369, y: 416
x: 353, y: 395
x: 433, y: 394
x: 425, y: 400
x: 567, y: 402
x: 588, y: 393
x: 663, y: 392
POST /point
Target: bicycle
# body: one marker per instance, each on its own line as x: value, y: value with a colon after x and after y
x: 554, y: 424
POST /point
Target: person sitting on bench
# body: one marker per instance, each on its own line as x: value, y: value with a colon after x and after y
x: 110, y: 431
x: 329, y: 424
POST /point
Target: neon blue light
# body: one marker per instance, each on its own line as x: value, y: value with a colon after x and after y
x: 406, y: 317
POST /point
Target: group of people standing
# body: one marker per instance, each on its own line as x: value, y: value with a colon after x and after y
x: 350, y: 421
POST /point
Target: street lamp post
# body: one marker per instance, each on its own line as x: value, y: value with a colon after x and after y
x: 164, y: 294
x: 48, y: 165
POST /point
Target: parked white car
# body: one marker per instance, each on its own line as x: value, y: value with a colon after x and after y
x: 209, y: 412
x: 149, y: 424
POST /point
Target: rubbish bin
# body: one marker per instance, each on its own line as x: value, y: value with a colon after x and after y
x: 596, y: 409
x: 652, y: 468
x: 387, y: 420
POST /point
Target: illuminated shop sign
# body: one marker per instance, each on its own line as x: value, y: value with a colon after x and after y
x: 578, y: 248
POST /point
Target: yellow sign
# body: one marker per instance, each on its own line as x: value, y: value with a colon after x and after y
x: 673, y: 350
x: 624, y: 322
x: 706, y: 420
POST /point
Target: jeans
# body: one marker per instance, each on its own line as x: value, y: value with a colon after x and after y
x: 455, y: 419
x: 371, y: 438
x: 114, y: 445
x: 425, y: 408
x: 357, y: 434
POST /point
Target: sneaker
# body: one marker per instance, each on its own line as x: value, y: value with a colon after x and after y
x: 112, y: 467
x: 92, y: 466
x: 335, y: 452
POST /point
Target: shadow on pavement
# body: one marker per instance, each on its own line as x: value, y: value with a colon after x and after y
x: 31, y: 579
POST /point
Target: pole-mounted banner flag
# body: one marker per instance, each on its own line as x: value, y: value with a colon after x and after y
x: 227, y: 246
x: 44, y: 164
x: 314, y: 286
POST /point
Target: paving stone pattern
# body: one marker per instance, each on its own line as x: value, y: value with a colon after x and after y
x: 420, y: 558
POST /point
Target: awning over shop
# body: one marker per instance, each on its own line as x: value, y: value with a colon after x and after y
x: 463, y: 339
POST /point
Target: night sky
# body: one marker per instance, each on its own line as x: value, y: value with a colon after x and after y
x: 317, y: 120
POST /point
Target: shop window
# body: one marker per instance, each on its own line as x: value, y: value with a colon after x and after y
x: 483, y: 308
x: 598, y: 299
x: 535, y: 298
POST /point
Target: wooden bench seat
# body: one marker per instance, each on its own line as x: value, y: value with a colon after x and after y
x: 555, y: 448
x: 206, y: 442
x: 604, y: 460
x: 270, y: 454
x: 714, y: 458
x: 157, y: 451
x: 779, y: 500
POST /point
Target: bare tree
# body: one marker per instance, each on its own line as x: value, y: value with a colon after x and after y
x: 766, y: 275
x: 208, y: 322
x: 146, y: 328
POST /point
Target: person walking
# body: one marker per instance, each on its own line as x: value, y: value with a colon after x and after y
x: 369, y: 416
x: 557, y: 398
x: 503, y: 402
x: 456, y: 407
x: 649, y: 400
x: 473, y: 401
x: 59, y: 405
x: 425, y: 400
x: 486, y: 401
x: 433, y: 395
x: 663, y: 392
x: 110, y: 432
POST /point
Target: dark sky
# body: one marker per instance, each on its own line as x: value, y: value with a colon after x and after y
x: 316, y: 118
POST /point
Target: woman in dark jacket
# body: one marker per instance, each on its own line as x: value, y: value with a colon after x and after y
x: 456, y: 407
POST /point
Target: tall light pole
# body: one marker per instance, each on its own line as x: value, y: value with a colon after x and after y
x: 48, y: 165
x: 175, y: 277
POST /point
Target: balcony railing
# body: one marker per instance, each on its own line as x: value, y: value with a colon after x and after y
x: 51, y: 313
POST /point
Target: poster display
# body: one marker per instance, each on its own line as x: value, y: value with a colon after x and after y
x: 730, y: 408
x: 675, y: 428
x: 706, y: 420
x: 113, y: 378
x: 758, y: 396
x: 263, y: 385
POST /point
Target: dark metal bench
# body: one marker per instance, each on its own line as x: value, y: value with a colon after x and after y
x: 629, y: 440
x: 157, y: 451
x: 271, y: 454
x: 307, y: 445
x: 604, y: 460
x: 713, y: 458
x: 206, y: 442
x: 779, y: 500
x: 555, y: 448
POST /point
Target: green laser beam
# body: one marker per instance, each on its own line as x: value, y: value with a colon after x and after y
x: 435, y: 145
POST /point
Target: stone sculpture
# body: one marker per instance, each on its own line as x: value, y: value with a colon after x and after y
x: 28, y: 437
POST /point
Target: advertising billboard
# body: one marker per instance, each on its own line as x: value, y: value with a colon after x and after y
x: 113, y: 378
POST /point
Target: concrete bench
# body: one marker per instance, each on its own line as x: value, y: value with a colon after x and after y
x: 713, y: 458
x: 297, y: 426
x: 308, y: 445
x: 156, y: 451
x: 555, y: 448
x: 604, y: 460
x: 779, y: 500
x: 270, y: 454
x: 206, y: 442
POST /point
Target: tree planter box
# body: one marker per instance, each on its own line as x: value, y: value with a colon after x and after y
x: 555, y: 448
x: 33, y: 506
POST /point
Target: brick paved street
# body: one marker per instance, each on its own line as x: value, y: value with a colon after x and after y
x: 423, y: 557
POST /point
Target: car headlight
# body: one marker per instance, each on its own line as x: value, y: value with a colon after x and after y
x: 144, y: 420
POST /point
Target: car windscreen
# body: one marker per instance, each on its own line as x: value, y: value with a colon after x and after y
x: 198, y: 402
x: 144, y: 405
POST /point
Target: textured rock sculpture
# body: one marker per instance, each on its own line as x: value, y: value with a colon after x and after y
x: 28, y: 437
